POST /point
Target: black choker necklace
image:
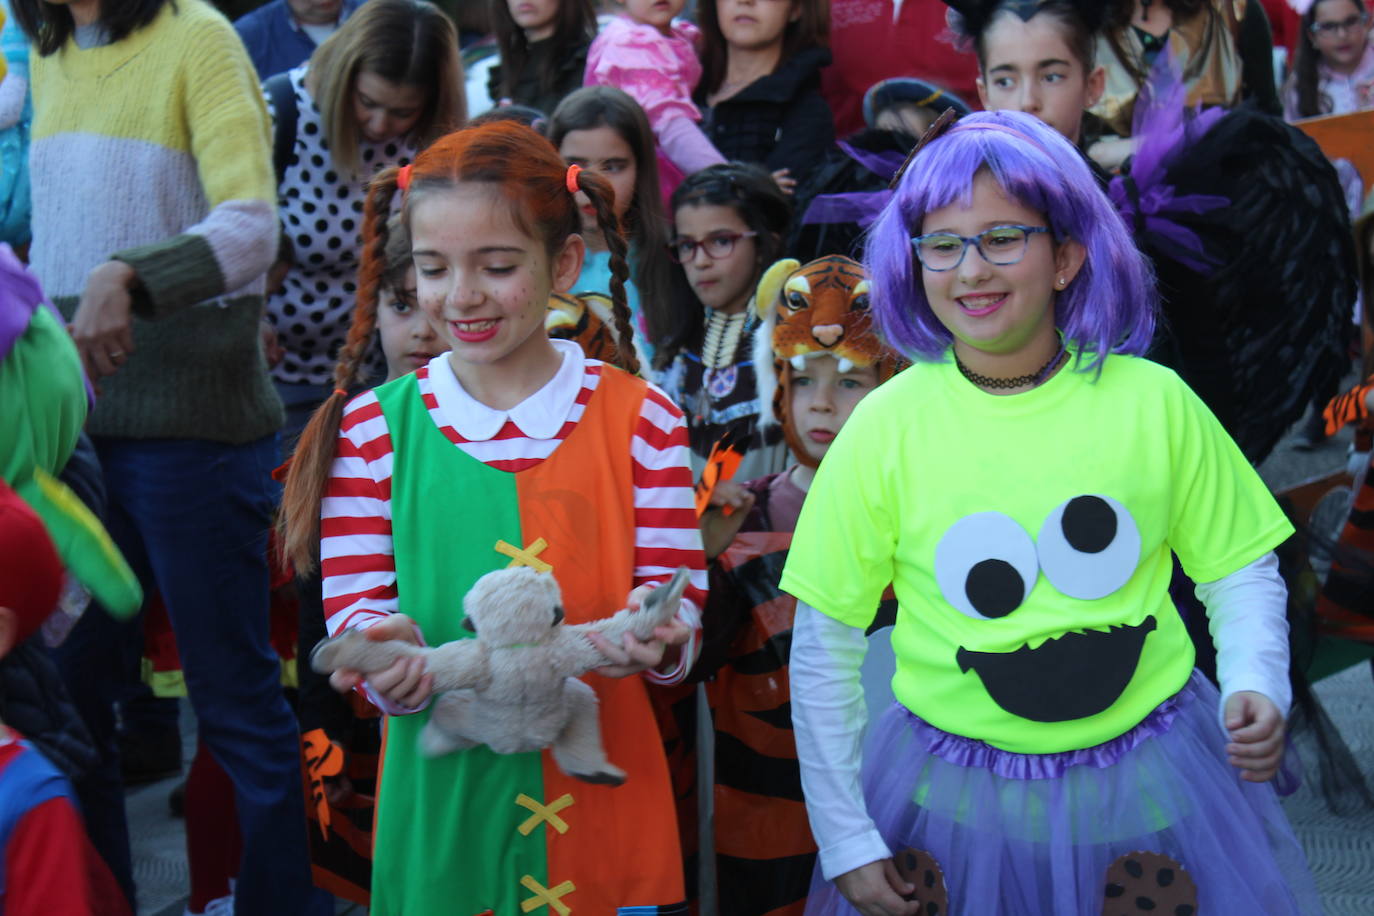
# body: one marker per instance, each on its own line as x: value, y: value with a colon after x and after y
x: 1019, y: 381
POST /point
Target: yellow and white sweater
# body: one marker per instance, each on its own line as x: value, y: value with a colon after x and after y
x: 155, y: 150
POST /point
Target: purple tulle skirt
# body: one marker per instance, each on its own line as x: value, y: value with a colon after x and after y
x: 1035, y: 834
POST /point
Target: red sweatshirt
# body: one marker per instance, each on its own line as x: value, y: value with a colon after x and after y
x: 868, y: 47
x: 50, y: 866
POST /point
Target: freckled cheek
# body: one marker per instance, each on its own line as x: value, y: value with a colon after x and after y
x: 519, y: 300
x: 431, y: 302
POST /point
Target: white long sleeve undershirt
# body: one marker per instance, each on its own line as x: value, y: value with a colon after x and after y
x: 1247, y: 619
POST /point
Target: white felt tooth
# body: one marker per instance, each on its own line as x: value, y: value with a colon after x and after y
x: 845, y: 366
x: 799, y: 363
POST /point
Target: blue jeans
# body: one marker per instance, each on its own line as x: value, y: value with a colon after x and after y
x: 301, y: 400
x: 192, y: 517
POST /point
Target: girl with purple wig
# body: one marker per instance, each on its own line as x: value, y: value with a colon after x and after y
x: 1193, y: 193
x: 1022, y: 487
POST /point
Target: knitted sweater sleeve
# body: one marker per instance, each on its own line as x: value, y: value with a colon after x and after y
x: 232, y: 246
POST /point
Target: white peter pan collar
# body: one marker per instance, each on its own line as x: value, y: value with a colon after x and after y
x: 539, y: 416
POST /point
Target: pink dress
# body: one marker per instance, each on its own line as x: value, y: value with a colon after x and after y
x: 660, y: 72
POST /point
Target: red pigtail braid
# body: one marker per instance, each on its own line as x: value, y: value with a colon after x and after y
x: 602, y: 196
x: 298, y: 522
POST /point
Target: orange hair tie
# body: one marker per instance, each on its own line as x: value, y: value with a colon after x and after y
x: 403, y: 178
x: 341, y: 391
x: 573, y: 171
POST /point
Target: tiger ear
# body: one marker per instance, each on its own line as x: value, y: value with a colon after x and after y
x: 766, y: 295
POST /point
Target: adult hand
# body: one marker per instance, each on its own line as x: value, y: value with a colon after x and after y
x: 102, y: 327
x: 1256, y: 728
x: 784, y: 180
x: 876, y: 889
x: 271, y: 346
x: 276, y: 275
x: 405, y: 683
x: 719, y: 529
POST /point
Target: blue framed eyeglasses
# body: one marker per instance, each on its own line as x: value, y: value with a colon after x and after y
x: 1335, y: 29
x: 1000, y: 245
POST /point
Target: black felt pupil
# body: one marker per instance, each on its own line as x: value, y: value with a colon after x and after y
x: 994, y: 588
x: 1089, y: 524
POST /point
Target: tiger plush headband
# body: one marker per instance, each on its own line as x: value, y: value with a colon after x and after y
x: 807, y: 311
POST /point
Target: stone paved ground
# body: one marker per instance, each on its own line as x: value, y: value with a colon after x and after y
x: 1340, y: 849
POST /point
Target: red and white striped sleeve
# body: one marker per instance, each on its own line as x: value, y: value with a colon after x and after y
x: 666, y: 532
x: 357, y: 562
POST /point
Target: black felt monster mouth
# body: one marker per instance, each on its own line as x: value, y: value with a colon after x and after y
x: 1073, y: 676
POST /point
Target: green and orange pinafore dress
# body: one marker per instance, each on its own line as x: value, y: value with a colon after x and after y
x: 476, y: 832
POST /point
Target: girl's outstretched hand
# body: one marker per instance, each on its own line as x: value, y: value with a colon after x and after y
x: 405, y: 683
x: 1256, y: 729
x: 633, y: 656
x: 876, y: 889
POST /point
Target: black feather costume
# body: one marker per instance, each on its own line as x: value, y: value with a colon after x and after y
x: 1258, y: 287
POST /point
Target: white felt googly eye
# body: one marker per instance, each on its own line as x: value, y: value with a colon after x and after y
x: 1089, y: 547
x: 985, y: 565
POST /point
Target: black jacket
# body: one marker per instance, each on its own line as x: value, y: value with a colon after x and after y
x: 34, y: 702
x: 779, y: 121
x: 527, y: 88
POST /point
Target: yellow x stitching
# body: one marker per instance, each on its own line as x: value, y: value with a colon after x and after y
x: 543, y: 813
x: 527, y: 557
x: 544, y: 896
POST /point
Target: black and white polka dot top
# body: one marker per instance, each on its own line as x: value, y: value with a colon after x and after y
x: 322, y: 212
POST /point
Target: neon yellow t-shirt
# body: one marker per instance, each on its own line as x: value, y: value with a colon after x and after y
x: 1027, y: 538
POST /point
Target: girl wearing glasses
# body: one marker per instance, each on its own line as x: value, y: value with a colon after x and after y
x: 1191, y: 200
x: 729, y: 223
x: 1334, y: 69
x: 1022, y: 486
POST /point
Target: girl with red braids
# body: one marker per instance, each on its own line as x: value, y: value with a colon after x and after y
x: 511, y: 449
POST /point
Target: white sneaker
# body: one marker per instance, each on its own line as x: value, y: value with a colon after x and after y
x: 220, y: 906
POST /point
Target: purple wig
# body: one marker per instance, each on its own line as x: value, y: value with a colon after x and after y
x: 1109, y: 306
